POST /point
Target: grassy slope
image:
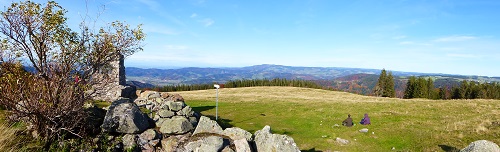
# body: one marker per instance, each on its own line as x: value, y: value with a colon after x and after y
x: 308, y: 115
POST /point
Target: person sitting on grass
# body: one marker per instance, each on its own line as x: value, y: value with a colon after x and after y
x: 348, y: 121
x: 365, y: 120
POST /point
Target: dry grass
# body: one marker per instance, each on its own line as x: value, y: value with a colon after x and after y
x: 8, y: 134
x: 7, y: 137
x: 309, y: 114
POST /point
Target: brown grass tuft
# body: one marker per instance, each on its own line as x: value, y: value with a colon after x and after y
x: 8, y: 137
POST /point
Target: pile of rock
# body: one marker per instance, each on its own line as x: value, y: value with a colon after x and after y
x: 169, y: 111
x: 163, y: 122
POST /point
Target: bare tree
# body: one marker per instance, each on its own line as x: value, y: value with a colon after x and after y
x: 51, y: 98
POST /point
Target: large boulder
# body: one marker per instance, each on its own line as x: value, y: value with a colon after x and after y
x: 266, y: 141
x: 175, y: 125
x: 124, y: 116
x: 175, y: 106
x: 236, y: 133
x: 204, y: 144
x: 481, y: 146
x: 205, y: 125
x: 242, y: 145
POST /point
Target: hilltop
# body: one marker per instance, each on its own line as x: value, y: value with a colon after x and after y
x: 310, y: 117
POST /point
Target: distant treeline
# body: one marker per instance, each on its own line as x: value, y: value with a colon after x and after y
x: 239, y: 84
x: 273, y: 82
x: 424, y: 88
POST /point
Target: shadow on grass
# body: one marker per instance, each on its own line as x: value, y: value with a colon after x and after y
x: 448, y: 148
x: 311, y: 150
x: 202, y: 108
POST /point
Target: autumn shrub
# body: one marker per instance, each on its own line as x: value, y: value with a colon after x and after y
x: 50, y: 98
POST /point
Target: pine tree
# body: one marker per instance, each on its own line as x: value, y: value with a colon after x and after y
x: 410, y: 88
x: 430, y: 89
x: 389, y: 86
x: 381, y: 83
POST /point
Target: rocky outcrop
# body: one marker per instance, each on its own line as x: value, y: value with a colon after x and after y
x: 203, y: 144
x: 207, y: 126
x: 124, y: 116
x: 266, y: 141
x: 481, y: 146
x: 176, y: 127
x: 236, y: 133
x: 171, y: 115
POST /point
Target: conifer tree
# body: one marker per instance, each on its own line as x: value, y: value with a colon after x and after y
x: 381, y: 82
x: 389, y: 86
x: 410, y: 88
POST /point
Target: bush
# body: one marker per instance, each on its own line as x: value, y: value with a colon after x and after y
x: 50, y: 99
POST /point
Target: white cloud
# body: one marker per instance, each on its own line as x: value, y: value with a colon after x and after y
x: 206, y: 21
x: 455, y: 38
x: 193, y: 15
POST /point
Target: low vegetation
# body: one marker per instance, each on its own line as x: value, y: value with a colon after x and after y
x: 310, y: 117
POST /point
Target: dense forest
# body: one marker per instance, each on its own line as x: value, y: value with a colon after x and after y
x: 240, y: 83
x: 424, y: 88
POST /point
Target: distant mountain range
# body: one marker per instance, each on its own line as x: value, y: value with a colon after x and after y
x: 327, y: 76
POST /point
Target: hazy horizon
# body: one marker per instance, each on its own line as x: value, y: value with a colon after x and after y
x: 180, y: 67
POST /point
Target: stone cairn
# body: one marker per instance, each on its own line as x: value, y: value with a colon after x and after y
x: 163, y: 122
x: 112, y: 85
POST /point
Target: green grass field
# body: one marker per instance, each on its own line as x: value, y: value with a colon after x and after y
x: 309, y: 116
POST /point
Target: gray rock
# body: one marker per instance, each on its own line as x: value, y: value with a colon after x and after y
x: 175, y: 106
x: 149, y: 134
x: 227, y: 149
x: 364, y: 130
x: 186, y: 111
x: 236, y: 133
x: 193, y: 121
x: 242, y: 145
x: 205, y: 125
x: 481, y: 146
x: 124, y: 116
x: 154, y: 142
x: 150, y: 94
x: 170, y: 144
x: 160, y: 121
x: 266, y: 141
x: 126, y: 91
x: 205, y: 144
x: 175, y: 125
x: 165, y: 113
x: 342, y: 141
x: 140, y: 101
x: 129, y: 141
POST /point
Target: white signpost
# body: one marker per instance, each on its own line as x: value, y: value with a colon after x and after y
x: 216, y: 100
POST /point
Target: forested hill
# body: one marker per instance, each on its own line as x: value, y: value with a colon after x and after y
x: 209, y: 75
x: 324, y: 75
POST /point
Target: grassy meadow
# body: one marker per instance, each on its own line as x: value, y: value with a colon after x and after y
x: 310, y: 116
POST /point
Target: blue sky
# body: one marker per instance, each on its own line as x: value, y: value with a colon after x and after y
x: 434, y: 36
